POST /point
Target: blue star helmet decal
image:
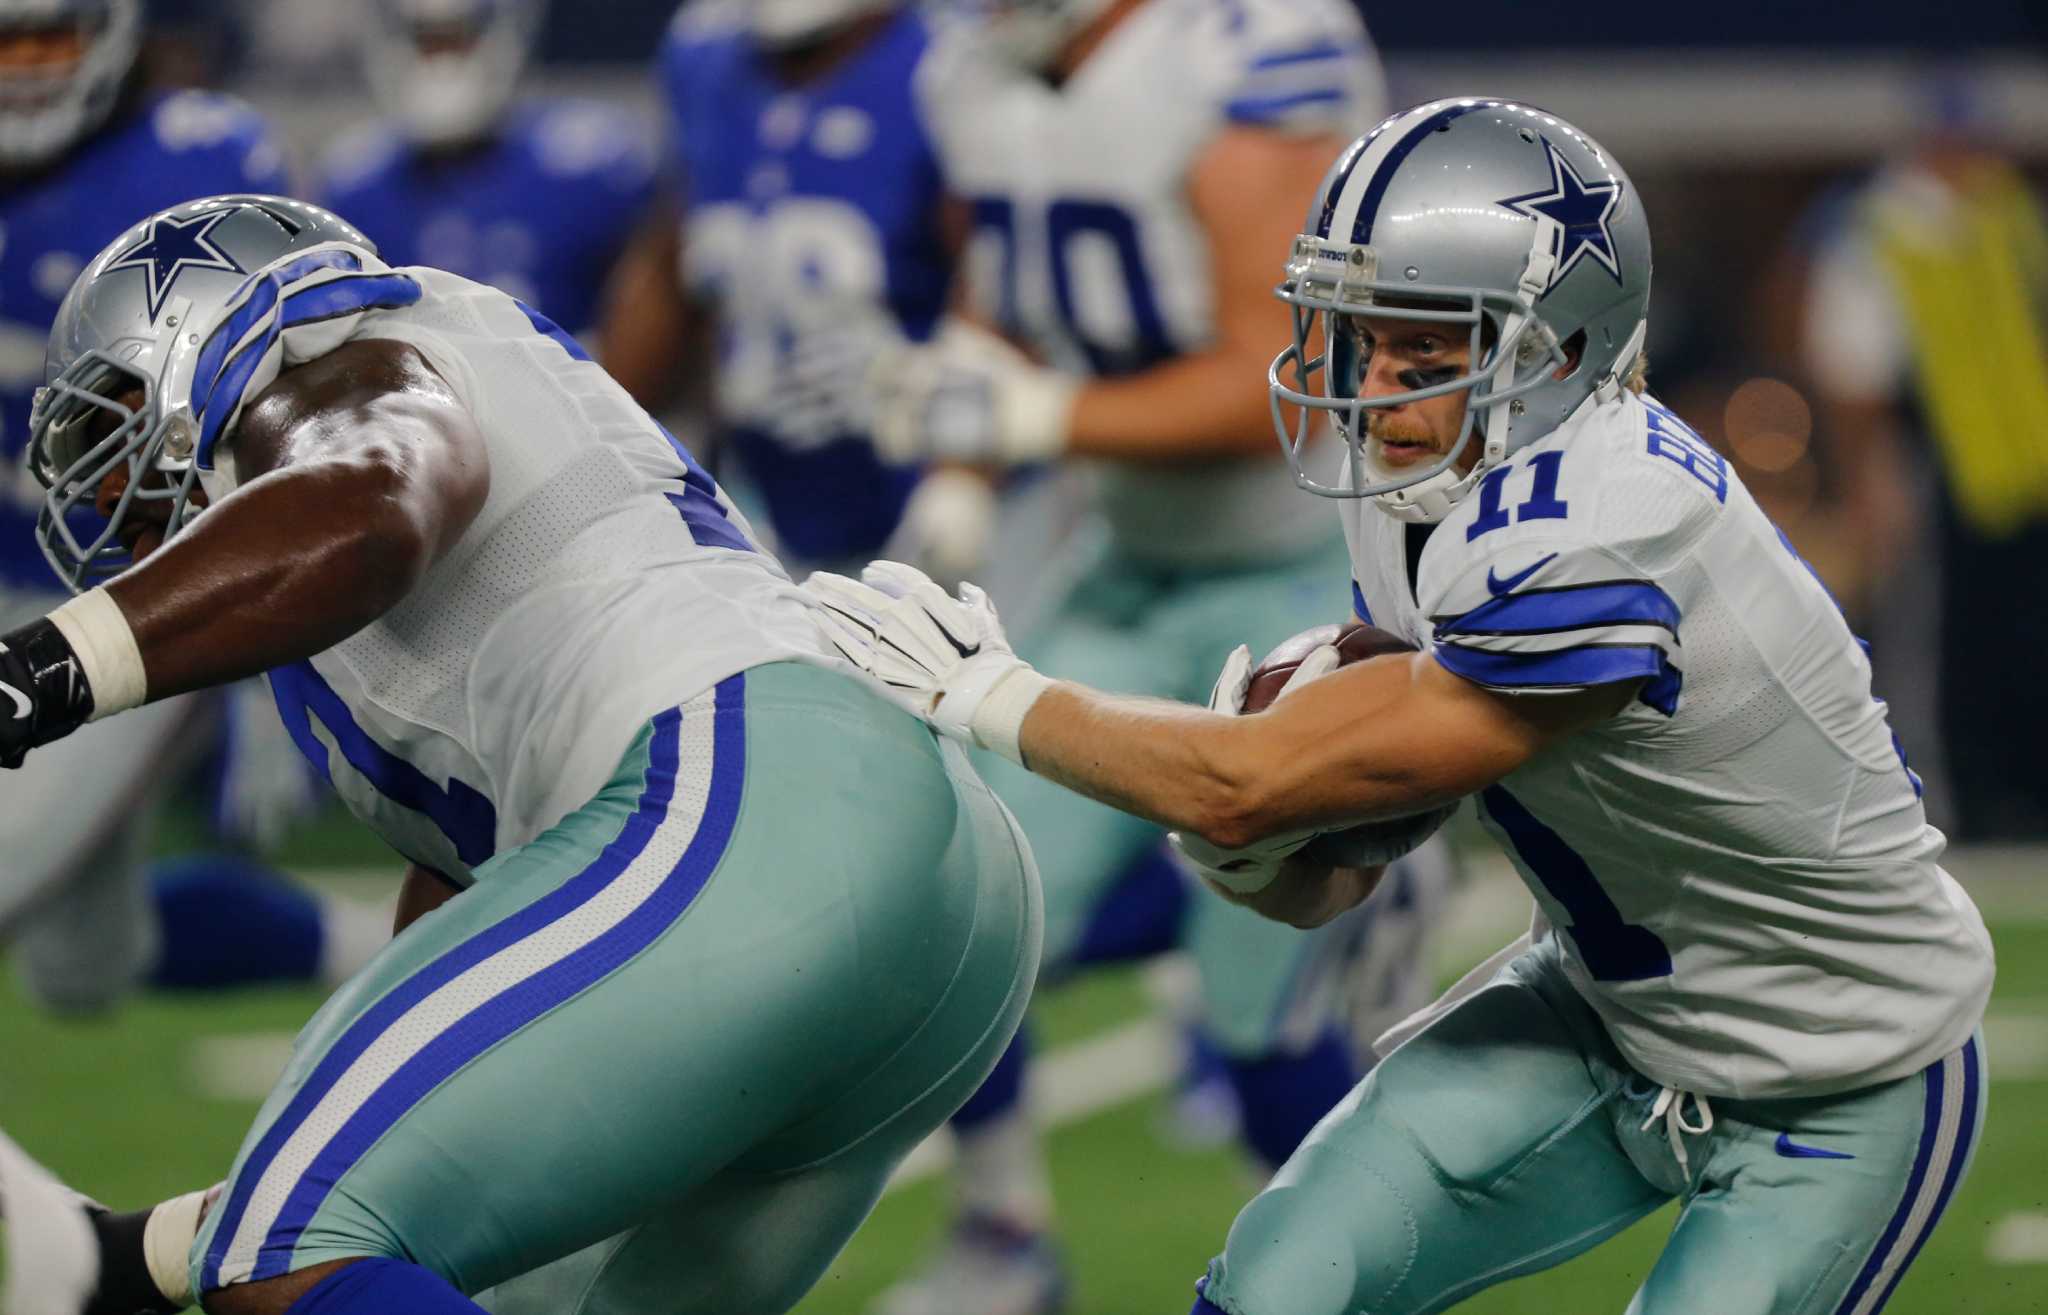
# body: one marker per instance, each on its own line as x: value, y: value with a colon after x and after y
x: 171, y: 247
x: 1577, y: 213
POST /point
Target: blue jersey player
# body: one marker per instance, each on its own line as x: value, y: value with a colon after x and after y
x: 535, y: 197
x: 82, y: 151
x: 808, y: 192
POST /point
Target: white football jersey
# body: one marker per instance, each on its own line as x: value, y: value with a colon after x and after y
x: 1085, y: 246
x: 606, y: 579
x: 1738, y: 865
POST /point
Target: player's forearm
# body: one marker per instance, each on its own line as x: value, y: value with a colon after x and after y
x: 205, y: 610
x: 1198, y: 408
x: 1158, y: 760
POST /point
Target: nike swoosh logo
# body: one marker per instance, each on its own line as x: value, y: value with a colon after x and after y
x: 22, y: 707
x: 1792, y: 1150
x: 1500, y: 588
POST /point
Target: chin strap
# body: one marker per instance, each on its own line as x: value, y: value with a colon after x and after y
x: 1610, y: 387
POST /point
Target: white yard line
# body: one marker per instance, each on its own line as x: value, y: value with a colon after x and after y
x: 2021, y: 1238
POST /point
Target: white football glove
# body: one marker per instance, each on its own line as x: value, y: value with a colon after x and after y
x: 968, y: 396
x: 1254, y: 867
x: 944, y: 658
x: 821, y: 392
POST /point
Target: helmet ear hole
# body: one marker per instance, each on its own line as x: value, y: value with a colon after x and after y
x: 1574, y: 349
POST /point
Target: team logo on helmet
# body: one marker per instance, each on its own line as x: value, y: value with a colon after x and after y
x: 171, y: 247
x: 1577, y: 212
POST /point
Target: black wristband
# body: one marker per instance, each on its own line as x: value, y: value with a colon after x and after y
x: 44, y: 695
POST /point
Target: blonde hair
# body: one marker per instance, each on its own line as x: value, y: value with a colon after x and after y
x: 1638, y: 376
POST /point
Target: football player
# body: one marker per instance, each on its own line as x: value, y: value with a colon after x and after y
x: 805, y: 195
x: 1752, y: 987
x: 534, y: 196
x: 540, y: 654
x: 1126, y: 163
x: 83, y: 149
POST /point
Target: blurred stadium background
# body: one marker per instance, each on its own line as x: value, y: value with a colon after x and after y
x: 1761, y: 135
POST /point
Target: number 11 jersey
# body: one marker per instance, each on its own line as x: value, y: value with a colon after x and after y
x: 1738, y: 864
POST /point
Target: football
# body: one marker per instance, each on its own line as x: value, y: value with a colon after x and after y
x: 1355, y: 641
x: 1369, y: 843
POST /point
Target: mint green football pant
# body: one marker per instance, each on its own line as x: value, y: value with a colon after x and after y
x: 681, y: 1039
x: 1510, y: 1136
x: 1131, y: 627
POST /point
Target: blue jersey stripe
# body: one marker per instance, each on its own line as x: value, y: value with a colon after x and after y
x: 343, y: 296
x: 1358, y: 607
x: 1570, y: 668
x: 461, y: 812
x: 513, y: 1009
x: 251, y: 312
x: 1265, y: 109
x: 1568, y: 607
x: 1308, y: 54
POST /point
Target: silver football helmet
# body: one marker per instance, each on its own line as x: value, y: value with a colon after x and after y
x: 781, y: 23
x: 139, y: 334
x: 1029, y: 33
x: 48, y: 105
x: 1485, y: 214
x: 448, y: 68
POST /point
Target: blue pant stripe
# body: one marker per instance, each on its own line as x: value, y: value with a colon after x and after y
x: 1966, y: 1134
x: 1930, y: 1128
x: 511, y: 1009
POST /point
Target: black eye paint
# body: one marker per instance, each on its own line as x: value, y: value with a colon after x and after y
x: 1429, y: 378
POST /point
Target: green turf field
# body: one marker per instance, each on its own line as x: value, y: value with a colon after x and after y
x: 154, y: 1101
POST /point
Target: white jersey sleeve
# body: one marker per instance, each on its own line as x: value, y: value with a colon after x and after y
x: 1287, y: 65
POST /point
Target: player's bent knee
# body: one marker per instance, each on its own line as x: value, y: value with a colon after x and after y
x: 1298, y: 1250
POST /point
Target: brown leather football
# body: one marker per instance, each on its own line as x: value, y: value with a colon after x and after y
x: 1370, y: 843
x: 1355, y: 641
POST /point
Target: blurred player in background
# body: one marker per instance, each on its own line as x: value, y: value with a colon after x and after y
x: 805, y: 195
x: 535, y: 197
x: 1126, y: 164
x: 1750, y: 986
x: 83, y: 149
x: 1927, y: 333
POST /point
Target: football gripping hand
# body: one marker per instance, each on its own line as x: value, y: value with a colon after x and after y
x: 971, y: 397
x: 944, y: 658
x: 1253, y: 868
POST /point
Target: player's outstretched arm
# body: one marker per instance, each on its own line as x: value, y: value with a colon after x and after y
x: 359, y: 471
x: 1384, y: 738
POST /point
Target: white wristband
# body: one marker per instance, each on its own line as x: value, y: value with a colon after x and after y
x: 97, y: 632
x: 1000, y: 717
x: 167, y: 1237
x: 1034, y: 410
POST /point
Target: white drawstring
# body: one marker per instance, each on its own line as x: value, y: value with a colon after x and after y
x: 1670, y: 1107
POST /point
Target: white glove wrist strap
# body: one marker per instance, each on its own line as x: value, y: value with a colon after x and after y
x: 1000, y: 719
x: 107, y: 653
